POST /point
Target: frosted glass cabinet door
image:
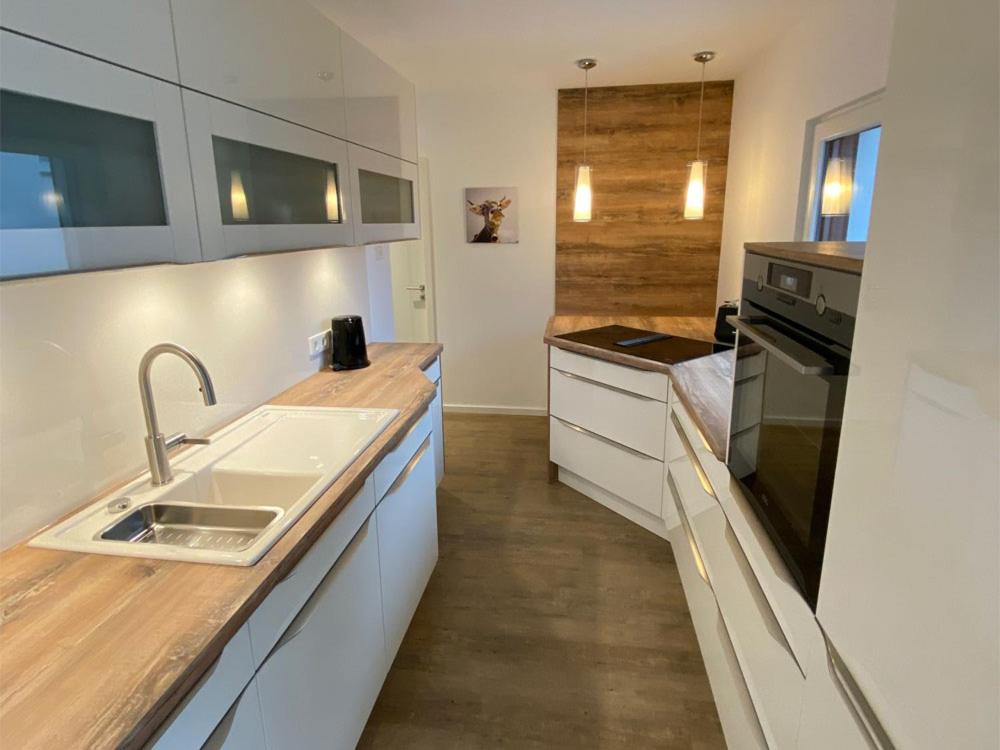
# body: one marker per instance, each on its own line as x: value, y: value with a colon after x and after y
x: 134, y: 33
x: 94, y: 168
x: 381, y: 104
x: 282, y: 58
x: 263, y: 184
x: 385, y: 193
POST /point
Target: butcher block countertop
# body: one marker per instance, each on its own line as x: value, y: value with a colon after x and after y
x: 96, y: 651
x: 704, y: 384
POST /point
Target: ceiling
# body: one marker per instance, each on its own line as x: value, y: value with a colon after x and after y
x: 445, y: 44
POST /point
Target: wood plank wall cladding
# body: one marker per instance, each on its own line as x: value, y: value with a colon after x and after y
x: 638, y: 255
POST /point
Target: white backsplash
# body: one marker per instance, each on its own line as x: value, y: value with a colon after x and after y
x: 70, y: 419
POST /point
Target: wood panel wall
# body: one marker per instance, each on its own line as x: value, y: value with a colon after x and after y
x: 638, y: 255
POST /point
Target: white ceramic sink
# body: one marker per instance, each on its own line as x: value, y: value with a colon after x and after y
x: 231, y: 500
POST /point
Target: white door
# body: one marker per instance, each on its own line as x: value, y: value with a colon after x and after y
x: 413, y: 277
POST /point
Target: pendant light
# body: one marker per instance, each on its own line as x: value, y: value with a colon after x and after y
x: 837, y: 188
x: 582, y: 195
x: 694, y: 196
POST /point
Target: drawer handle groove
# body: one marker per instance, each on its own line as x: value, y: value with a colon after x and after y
x: 689, y: 450
x: 616, y: 389
x: 603, y: 439
x: 408, y: 469
x: 699, y: 562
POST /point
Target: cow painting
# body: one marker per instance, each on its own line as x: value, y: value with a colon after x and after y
x: 493, y: 212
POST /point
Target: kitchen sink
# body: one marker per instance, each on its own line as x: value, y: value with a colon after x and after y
x: 232, y: 499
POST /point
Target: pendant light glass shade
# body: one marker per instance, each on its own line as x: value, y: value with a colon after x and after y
x: 837, y: 188
x: 238, y: 197
x: 694, y: 200
x: 582, y: 195
x: 332, y: 199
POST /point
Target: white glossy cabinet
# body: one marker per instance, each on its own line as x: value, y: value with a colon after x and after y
x: 433, y: 373
x: 282, y: 58
x: 385, y: 193
x: 94, y: 171
x: 263, y: 184
x: 407, y: 543
x: 133, y: 33
x: 242, y: 727
x: 381, y: 104
x: 321, y: 681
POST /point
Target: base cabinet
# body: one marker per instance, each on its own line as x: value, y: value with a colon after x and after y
x: 321, y: 681
x: 407, y: 544
x: 241, y: 727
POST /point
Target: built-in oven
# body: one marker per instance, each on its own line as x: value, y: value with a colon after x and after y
x: 794, y: 334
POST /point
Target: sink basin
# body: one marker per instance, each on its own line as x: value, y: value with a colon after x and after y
x: 232, y: 499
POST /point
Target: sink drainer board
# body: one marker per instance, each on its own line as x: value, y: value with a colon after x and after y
x: 193, y: 527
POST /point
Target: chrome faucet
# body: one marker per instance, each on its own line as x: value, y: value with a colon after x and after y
x: 157, y: 446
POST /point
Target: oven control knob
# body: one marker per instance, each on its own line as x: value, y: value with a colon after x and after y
x: 821, y: 305
x: 760, y: 283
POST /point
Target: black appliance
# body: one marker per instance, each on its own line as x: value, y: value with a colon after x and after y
x: 795, y: 329
x: 658, y: 347
x: 724, y: 331
x: 347, y: 343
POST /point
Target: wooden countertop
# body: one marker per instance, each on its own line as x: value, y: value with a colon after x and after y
x: 96, y: 651
x: 704, y: 384
x: 842, y: 256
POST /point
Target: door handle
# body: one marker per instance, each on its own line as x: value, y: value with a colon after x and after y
x: 800, y: 358
x: 418, y: 288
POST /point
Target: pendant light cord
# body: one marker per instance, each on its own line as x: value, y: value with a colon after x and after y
x: 701, y: 105
x: 586, y: 87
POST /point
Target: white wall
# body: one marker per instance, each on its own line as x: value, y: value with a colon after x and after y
x: 493, y: 301
x: 832, y: 56
x: 70, y: 419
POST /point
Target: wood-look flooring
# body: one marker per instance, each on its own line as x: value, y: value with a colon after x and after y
x: 549, y: 621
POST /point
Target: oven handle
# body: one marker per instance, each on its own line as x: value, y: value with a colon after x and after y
x: 800, y: 358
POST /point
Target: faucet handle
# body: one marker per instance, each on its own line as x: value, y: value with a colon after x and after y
x: 181, y: 438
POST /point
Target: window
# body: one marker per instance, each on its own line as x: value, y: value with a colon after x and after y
x: 837, y: 197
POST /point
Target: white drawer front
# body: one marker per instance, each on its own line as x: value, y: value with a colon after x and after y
x: 433, y: 370
x: 281, y: 606
x: 631, y: 476
x: 390, y: 466
x: 638, y: 422
x: 645, y: 383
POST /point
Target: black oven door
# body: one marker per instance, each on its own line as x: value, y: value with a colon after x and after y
x: 788, y: 402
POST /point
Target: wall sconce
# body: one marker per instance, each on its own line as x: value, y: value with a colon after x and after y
x: 694, y: 196
x: 582, y: 194
x: 238, y: 197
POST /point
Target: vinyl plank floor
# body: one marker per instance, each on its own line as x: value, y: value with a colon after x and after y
x: 549, y: 621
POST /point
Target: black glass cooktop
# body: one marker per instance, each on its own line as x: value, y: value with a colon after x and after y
x: 658, y: 347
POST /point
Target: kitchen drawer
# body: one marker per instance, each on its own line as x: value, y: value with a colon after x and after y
x: 395, y: 461
x: 732, y: 699
x: 433, y: 370
x: 206, y: 704
x: 630, y: 475
x: 636, y: 421
x: 770, y: 666
x: 277, y: 611
x: 241, y: 728
x: 652, y: 384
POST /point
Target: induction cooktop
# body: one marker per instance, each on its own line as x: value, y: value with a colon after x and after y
x: 657, y: 347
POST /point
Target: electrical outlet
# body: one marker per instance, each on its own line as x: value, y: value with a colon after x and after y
x: 318, y: 343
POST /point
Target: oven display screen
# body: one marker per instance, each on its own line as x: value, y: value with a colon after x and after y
x: 795, y: 281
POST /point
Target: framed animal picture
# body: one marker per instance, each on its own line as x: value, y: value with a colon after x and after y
x: 491, y: 215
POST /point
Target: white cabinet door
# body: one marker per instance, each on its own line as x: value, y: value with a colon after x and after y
x: 282, y: 58
x: 321, y: 681
x: 385, y: 194
x: 133, y: 33
x: 381, y: 104
x: 437, y: 417
x: 407, y: 543
x: 242, y: 727
x: 95, y: 165
x: 263, y: 184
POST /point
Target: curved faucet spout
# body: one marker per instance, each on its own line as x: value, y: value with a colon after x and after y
x: 156, y: 444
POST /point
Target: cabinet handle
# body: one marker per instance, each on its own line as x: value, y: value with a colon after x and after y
x: 603, y: 439
x: 410, y: 466
x: 800, y: 358
x: 689, y: 450
x: 856, y: 699
x: 306, y: 613
x: 616, y: 389
x: 699, y: 562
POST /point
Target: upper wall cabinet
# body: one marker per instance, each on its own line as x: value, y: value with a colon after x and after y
x: 282, y: 58
x: 385, y: 195
x: 263, y: 184
x: 133, y: 33
x: 381, y: 104
x: 94, y: 168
